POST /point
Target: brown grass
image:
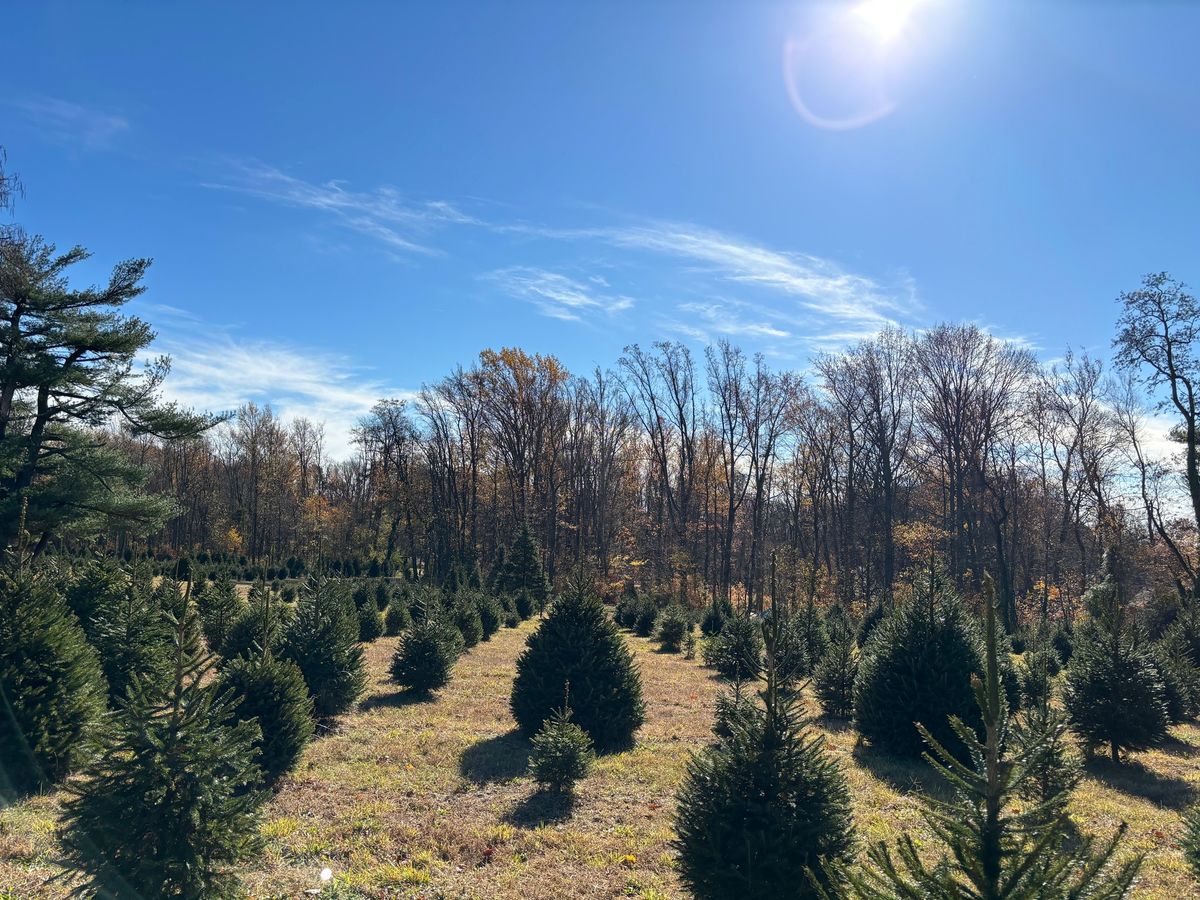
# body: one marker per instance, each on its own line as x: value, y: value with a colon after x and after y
x: 430, y: 799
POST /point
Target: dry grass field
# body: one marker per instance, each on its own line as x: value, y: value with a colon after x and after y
x: 430, y: 799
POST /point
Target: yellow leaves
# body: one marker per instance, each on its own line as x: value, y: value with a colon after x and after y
x: 233, y: 540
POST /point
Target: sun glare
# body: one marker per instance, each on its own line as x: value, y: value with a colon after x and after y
x: 885, y: 18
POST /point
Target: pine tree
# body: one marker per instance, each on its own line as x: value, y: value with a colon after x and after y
x: 765, y: 806
x: 323, y: 641
x: 220, y: 606
x: 995, y: 848
x: 1113, y: 693
x: 271, y: 692
x: 170, y: 803
x: 52, y: 692
x: 69, y: 365
x: 578, y: 644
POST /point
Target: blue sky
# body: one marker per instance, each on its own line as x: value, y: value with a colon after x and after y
x: 345, y: 201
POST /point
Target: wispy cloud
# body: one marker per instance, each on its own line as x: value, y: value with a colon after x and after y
x: 70, y: 123
x: 225, y: 373
x: 557, y: 295
x: 382, y: 214
x: 818, y: 285
x: 724, y: 319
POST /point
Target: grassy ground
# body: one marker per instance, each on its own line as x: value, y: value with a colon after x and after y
x: 430, y: 799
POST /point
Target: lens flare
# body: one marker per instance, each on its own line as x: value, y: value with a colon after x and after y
x: 886, y: 19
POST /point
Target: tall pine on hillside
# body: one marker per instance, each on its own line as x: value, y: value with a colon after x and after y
x: 68, y: 363
x: 170, y: 803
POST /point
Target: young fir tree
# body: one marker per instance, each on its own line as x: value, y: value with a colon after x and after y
x: 259, y: 627
x: 323, y: 641
x: 578, y: 644
x: 133, y: 638
x: 917, y: 667
x: 426, y: 654
x: 261, y: 688
x: 397, y: 617
x: 833, y: 678
x: 673, y: 627
x: 491, y: 615
x: 370, y: 622
x: 996, y: 847
x: 766, y: 805
x: 93, y: 589
x: 523, y: 570
x: 169, y: 806
x: 466, y: 618
x: 220, y: 606
x: 1113, y: 694
x: 561, y: 752
x: 736, y: 651
x: 52, y: 692
x: 1191, y: 840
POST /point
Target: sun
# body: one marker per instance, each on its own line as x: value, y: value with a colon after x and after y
x: 885, y: 18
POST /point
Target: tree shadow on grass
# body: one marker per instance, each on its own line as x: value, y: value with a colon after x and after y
x: 501, y: 758
x: 1178, y: 747
x: 1134, y: 779
x: 542, y: 808
x: 396, y: 699
x: 903, y: 774
x: 833, y: 724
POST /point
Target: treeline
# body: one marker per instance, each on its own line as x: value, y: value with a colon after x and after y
x: 718, y: 476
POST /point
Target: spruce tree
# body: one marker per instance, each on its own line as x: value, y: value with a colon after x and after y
x: 170, y: 803
x: 578, y: 644
x: 1113, y: 694
x: 271, y: 692
x: 322, y: 640
x: 220, y: 606
x: 52, y: 692
x: 766, y: 806
x: 94, y: 588
x: 996, y: 847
